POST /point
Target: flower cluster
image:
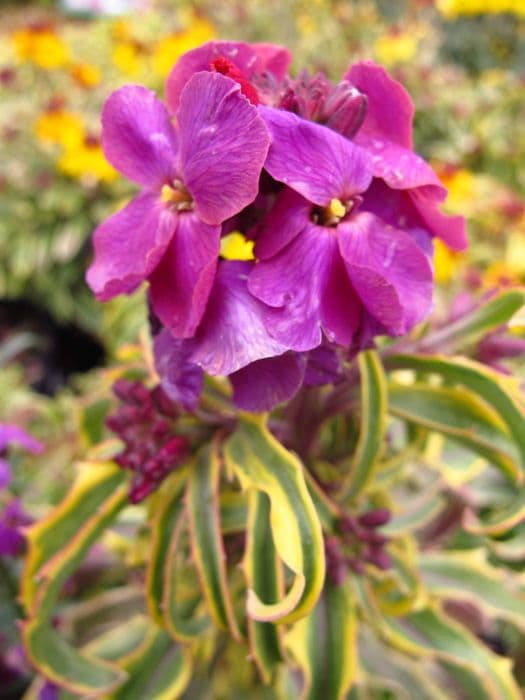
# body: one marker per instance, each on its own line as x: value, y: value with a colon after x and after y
x: 144, y: 423
x: 13, y: 518
x: 282, y: 224
x: 359, y: 543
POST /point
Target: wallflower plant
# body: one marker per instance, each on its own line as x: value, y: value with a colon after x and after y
x: 312, y: 464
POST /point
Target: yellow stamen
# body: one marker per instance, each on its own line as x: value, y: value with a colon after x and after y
x: 336, y: 208
x: 175, y: 195
x: 235, y: 246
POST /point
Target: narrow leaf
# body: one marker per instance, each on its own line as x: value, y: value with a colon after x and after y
x: 374, y: 402
x: 202, y: 498
x: 262, y: 463
x: 262, y: 571
x: 324, y: 645
x: 498, y: 391
x: 460, y: 415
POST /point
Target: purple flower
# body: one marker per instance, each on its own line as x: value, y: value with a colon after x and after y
x: 232, y: 340
x: 252, y: 65
x: 194, y: 176
x: 325, y: 261
x: 413, y: 191
x: 12, y: 434
x: 12, y: 521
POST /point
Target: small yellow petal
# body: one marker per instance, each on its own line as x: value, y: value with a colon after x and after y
x: 235, y: 246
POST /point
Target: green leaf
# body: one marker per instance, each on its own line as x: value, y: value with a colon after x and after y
x: 466, y: 575
x: 499, y: 392
x: 166, y: 595
x: 262, y: 463
x: 324, y: 645
x: 263, y: 575
x: 374, y: 401
x: 157, y: 669
x: 500, y: 522
x: 470, y: 328
x: 460, y: 415
x: 167, y: 509
x: 95, y: 483
x: 429, y: 632
x: 57, y: 545
x: 202, y: 498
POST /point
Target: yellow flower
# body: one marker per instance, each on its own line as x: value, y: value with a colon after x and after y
x: 500, y: 273
x: 41, y: 46
x: 461, y: 185
x: 454, y: 8
x: 394, y: 48
x: 128, y: 57
x: 59, y: 127
x: 86, y: 75
x: 447, y: 263
x: 86, y: 161
x: 171, y: 47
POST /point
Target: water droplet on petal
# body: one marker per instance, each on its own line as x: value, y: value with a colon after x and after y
x: 389, y: 254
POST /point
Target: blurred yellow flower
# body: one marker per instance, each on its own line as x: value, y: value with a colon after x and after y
x: 40, y: 45
x: 447, y: 263
x: 86, y: 161
x: 86, y: 75
x: 500, y: 273
x: 461, y: 186
x: 128, y: 57
x: 395, y: 47
x: 454, y: 8
x: 171, y: 47
x: 59, y: 127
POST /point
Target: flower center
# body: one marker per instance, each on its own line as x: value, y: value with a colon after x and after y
x: 176, y: 195
x: 333, y: 213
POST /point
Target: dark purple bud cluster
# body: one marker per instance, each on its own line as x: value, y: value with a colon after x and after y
x: 145, y: 424
x: 341, y: 107
x: 358, y: 544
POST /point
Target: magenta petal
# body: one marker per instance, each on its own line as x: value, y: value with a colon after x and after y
x: 129, y: 245
x: 314, y: 160
x: 5, y: 474
x: 293, y: 282
x: 390, y: 110
x: 223, y: 146
x: 13, y: 434
x: 341, y: 309
x: 138, y: 137
x: 179, y: 377
x: 232, y: 333
x: 323, y: 367
x: 241, y: 54
x: 451, y: 229
x: 262, y: 385
x: 389, y: 272
x: 273, y: 59
x: 401, y: 168
x: 284, y: 222
x: 181, y: 283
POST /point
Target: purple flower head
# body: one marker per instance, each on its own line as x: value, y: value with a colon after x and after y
x: 325, y: 262
x: 13, y: 519
x: 12, y: 434
x: 413, y: 190
x: 152, y: 449
x: 341, y: 107
x: 256, y: 67
x: 194, y: 176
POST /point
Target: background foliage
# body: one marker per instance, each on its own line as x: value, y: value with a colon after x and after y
x: 429, y: 430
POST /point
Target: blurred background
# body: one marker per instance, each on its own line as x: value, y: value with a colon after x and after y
x: 463, y: 61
